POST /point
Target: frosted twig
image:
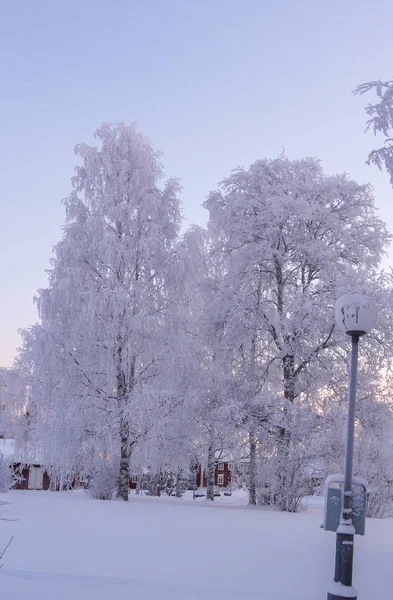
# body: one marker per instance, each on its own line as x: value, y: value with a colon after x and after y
x: 5, y: 549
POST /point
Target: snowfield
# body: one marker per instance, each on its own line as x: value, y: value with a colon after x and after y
x: 69, y: 546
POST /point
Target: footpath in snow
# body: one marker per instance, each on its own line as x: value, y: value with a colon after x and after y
x: 69, y: 546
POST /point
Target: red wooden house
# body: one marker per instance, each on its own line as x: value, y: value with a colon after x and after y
x: 222, y: 475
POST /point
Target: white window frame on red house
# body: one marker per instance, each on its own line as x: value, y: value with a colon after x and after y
x: 220, y: 466
x: 229, y: 466
x: 134, y: 479
x: 220, y: 479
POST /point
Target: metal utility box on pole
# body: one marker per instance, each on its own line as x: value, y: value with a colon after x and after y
x: 334, y: 503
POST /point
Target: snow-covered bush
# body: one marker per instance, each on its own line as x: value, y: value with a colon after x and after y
x: 292, y: 467
x: 380, y: 500
x: 284, y: 484
x: 373, y: 458
x: 376, y: 466
x: 103, y: 483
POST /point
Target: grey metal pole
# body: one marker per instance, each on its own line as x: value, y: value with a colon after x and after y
x: 345, y: 532
x: 350, y: 426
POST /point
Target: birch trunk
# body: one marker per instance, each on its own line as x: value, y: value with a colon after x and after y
x: 284, y: 439
x: 53, y: 483
x: 124, y: 471
x: 124, y: 390
x: 284, y: 449
x: 252, y: 495
x: 210, y: 473
x: 178, y: 485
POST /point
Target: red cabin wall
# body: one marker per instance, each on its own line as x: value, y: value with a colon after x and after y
x: 225, y: 471
x: 24, y: 484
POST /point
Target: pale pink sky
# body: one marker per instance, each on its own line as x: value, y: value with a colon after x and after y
x: 215, y: 84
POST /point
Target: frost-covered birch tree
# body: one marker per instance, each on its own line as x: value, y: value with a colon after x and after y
x: 293, y: 239
x: 209, y: 377
x: 100, y: 352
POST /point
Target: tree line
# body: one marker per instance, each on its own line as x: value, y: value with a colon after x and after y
x: 158, y: 349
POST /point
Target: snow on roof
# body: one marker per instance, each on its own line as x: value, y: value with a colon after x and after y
x: 223, y: 456
x: 7, y: 448
x: 28, y: 454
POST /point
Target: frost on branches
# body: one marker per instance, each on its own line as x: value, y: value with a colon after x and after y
x: 104, y: 480
x: 102, y: 351
x: 156, y: 355
x: 292, y: 240
x: 380, y: 121
x: 211, y: 404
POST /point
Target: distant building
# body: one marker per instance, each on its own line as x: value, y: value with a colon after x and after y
x: 33, y: 474
x: 228, y: 471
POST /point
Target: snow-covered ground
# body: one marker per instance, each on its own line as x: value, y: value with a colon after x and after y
x: 69, y: 546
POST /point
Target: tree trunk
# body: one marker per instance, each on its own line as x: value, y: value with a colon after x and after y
x: 178, y: 485
x: 288, y: 367
x: 53, y: 483
x: 194, y: 485
x: 285, y: 433
x: 154, y: 487
x: 252, y: 495
x: 210, y: 473
x: 252, y: 492
x: 123, y: 392
x: 124, y: 472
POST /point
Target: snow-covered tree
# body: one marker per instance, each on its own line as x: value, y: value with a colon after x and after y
x: 210, y: 376
x: 381, y: 122
x: 100, y: 355
x: 163, y: 352
x: 292, y: 240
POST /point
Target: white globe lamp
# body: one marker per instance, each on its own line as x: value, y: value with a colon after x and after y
x: 355, y: 314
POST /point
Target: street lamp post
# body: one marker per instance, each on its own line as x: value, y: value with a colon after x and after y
x: 355, y: 315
